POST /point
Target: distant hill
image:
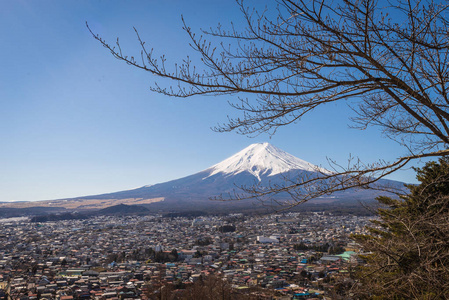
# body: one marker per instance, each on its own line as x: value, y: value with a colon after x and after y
x: 122, y: 209
x: 58, y: 217
x: 9, y: 212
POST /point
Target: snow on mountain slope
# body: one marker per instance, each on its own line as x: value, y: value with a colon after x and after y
x: 262, y: 159
x: 263, y: 162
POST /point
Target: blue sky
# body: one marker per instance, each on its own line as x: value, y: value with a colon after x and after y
x: 75, y: 121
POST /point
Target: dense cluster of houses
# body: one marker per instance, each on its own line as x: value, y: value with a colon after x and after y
x: 110, y: 257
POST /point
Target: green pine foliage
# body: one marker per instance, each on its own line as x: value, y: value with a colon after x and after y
x: 408, y: 245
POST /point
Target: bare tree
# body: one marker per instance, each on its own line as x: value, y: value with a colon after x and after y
x: 390, y: 61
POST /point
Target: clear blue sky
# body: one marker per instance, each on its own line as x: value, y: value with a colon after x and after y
x: 75, y: 121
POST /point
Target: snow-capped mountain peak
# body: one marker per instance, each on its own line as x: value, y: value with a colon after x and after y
x: 262, y: 159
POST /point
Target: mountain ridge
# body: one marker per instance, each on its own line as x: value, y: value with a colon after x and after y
x: 258, y: 164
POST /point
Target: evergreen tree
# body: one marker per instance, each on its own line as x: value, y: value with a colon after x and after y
x: 408, y: 246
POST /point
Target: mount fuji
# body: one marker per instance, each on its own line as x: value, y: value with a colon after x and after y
x: 262, y: 164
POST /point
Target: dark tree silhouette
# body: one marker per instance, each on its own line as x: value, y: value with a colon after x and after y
x: 408, y: 246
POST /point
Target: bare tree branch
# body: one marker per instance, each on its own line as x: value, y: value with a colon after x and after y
x: 394, y: 72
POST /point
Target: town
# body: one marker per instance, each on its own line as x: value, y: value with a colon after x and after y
x: 284, y: 256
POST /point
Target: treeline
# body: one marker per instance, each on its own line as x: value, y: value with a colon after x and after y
x: 186, y: 214
x: 144, y: 254
x: 338, y: 209
x: 206, y: 287
x: 58, y: 217
x: 10, y: 212
x: 226, y: 228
